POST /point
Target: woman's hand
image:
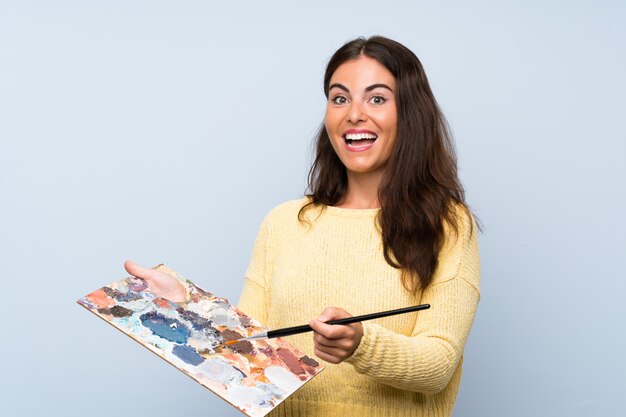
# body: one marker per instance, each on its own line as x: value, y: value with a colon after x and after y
x: 161, y: 284
x: 335, y: 343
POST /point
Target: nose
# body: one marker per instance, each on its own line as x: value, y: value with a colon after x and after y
x: 356, y: 112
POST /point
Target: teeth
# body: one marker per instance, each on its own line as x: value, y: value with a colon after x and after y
x: 360, y: 136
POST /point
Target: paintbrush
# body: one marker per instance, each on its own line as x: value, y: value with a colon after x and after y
x: 288, y: 331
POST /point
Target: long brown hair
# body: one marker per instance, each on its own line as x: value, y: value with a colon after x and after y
x: 420, y: 187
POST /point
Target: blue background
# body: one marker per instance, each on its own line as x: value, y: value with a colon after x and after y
x: 163, y: 131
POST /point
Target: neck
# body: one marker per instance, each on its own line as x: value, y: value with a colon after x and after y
x: 362, y: 191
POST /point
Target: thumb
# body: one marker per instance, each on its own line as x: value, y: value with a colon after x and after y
x: 138, y: 271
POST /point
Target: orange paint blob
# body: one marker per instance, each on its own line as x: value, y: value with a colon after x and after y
x: 101, y: 299
x: 162, y: 303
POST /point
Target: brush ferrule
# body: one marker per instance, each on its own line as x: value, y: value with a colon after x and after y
x: 262, y: 335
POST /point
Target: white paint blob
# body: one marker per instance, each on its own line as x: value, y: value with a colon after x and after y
x: 282, y: 378
x: 220, y: 371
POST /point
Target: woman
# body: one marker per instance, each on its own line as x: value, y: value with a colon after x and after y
x: 384, y: 226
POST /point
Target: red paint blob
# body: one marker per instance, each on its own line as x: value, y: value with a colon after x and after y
x: 291, y: 361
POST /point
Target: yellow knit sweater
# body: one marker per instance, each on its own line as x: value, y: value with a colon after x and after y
x: 406, y: 365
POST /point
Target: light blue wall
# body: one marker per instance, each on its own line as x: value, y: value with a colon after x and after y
x: 164, y: 131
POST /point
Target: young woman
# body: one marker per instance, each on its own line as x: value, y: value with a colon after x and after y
x: 385, y: 226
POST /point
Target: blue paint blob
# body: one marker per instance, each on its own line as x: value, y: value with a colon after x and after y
x: 169, y: 329
x: 188, y: 354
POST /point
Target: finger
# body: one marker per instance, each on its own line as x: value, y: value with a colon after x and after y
x: 328, y: 357
x: 326, y: 330
x: 331, y: 331
x: 343, y: 344
x: 335, y: 334
x: 336, y: 352
x: 137, y: 271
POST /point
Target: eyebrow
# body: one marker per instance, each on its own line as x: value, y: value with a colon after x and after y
x: 367, y: 89
x: 379, y: 85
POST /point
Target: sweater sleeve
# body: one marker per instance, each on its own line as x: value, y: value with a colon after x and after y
x: 255, y: 296
x: 426, y: 360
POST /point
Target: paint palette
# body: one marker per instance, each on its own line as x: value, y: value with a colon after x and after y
x: 254, y: 376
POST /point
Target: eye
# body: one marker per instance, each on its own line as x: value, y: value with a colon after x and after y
x: 378, y: 100
x: 339, y: 99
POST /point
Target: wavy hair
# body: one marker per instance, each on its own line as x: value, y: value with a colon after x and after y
x: 420, y: 187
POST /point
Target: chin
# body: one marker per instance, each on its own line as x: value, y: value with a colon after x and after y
x: 362, y: 170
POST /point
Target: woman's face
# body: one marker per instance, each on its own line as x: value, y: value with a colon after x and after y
x: 361, y: 117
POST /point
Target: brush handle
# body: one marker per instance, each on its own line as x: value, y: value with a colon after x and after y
x: 288, y: 331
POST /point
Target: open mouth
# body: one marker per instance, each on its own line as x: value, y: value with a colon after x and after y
x: 360, y: 139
